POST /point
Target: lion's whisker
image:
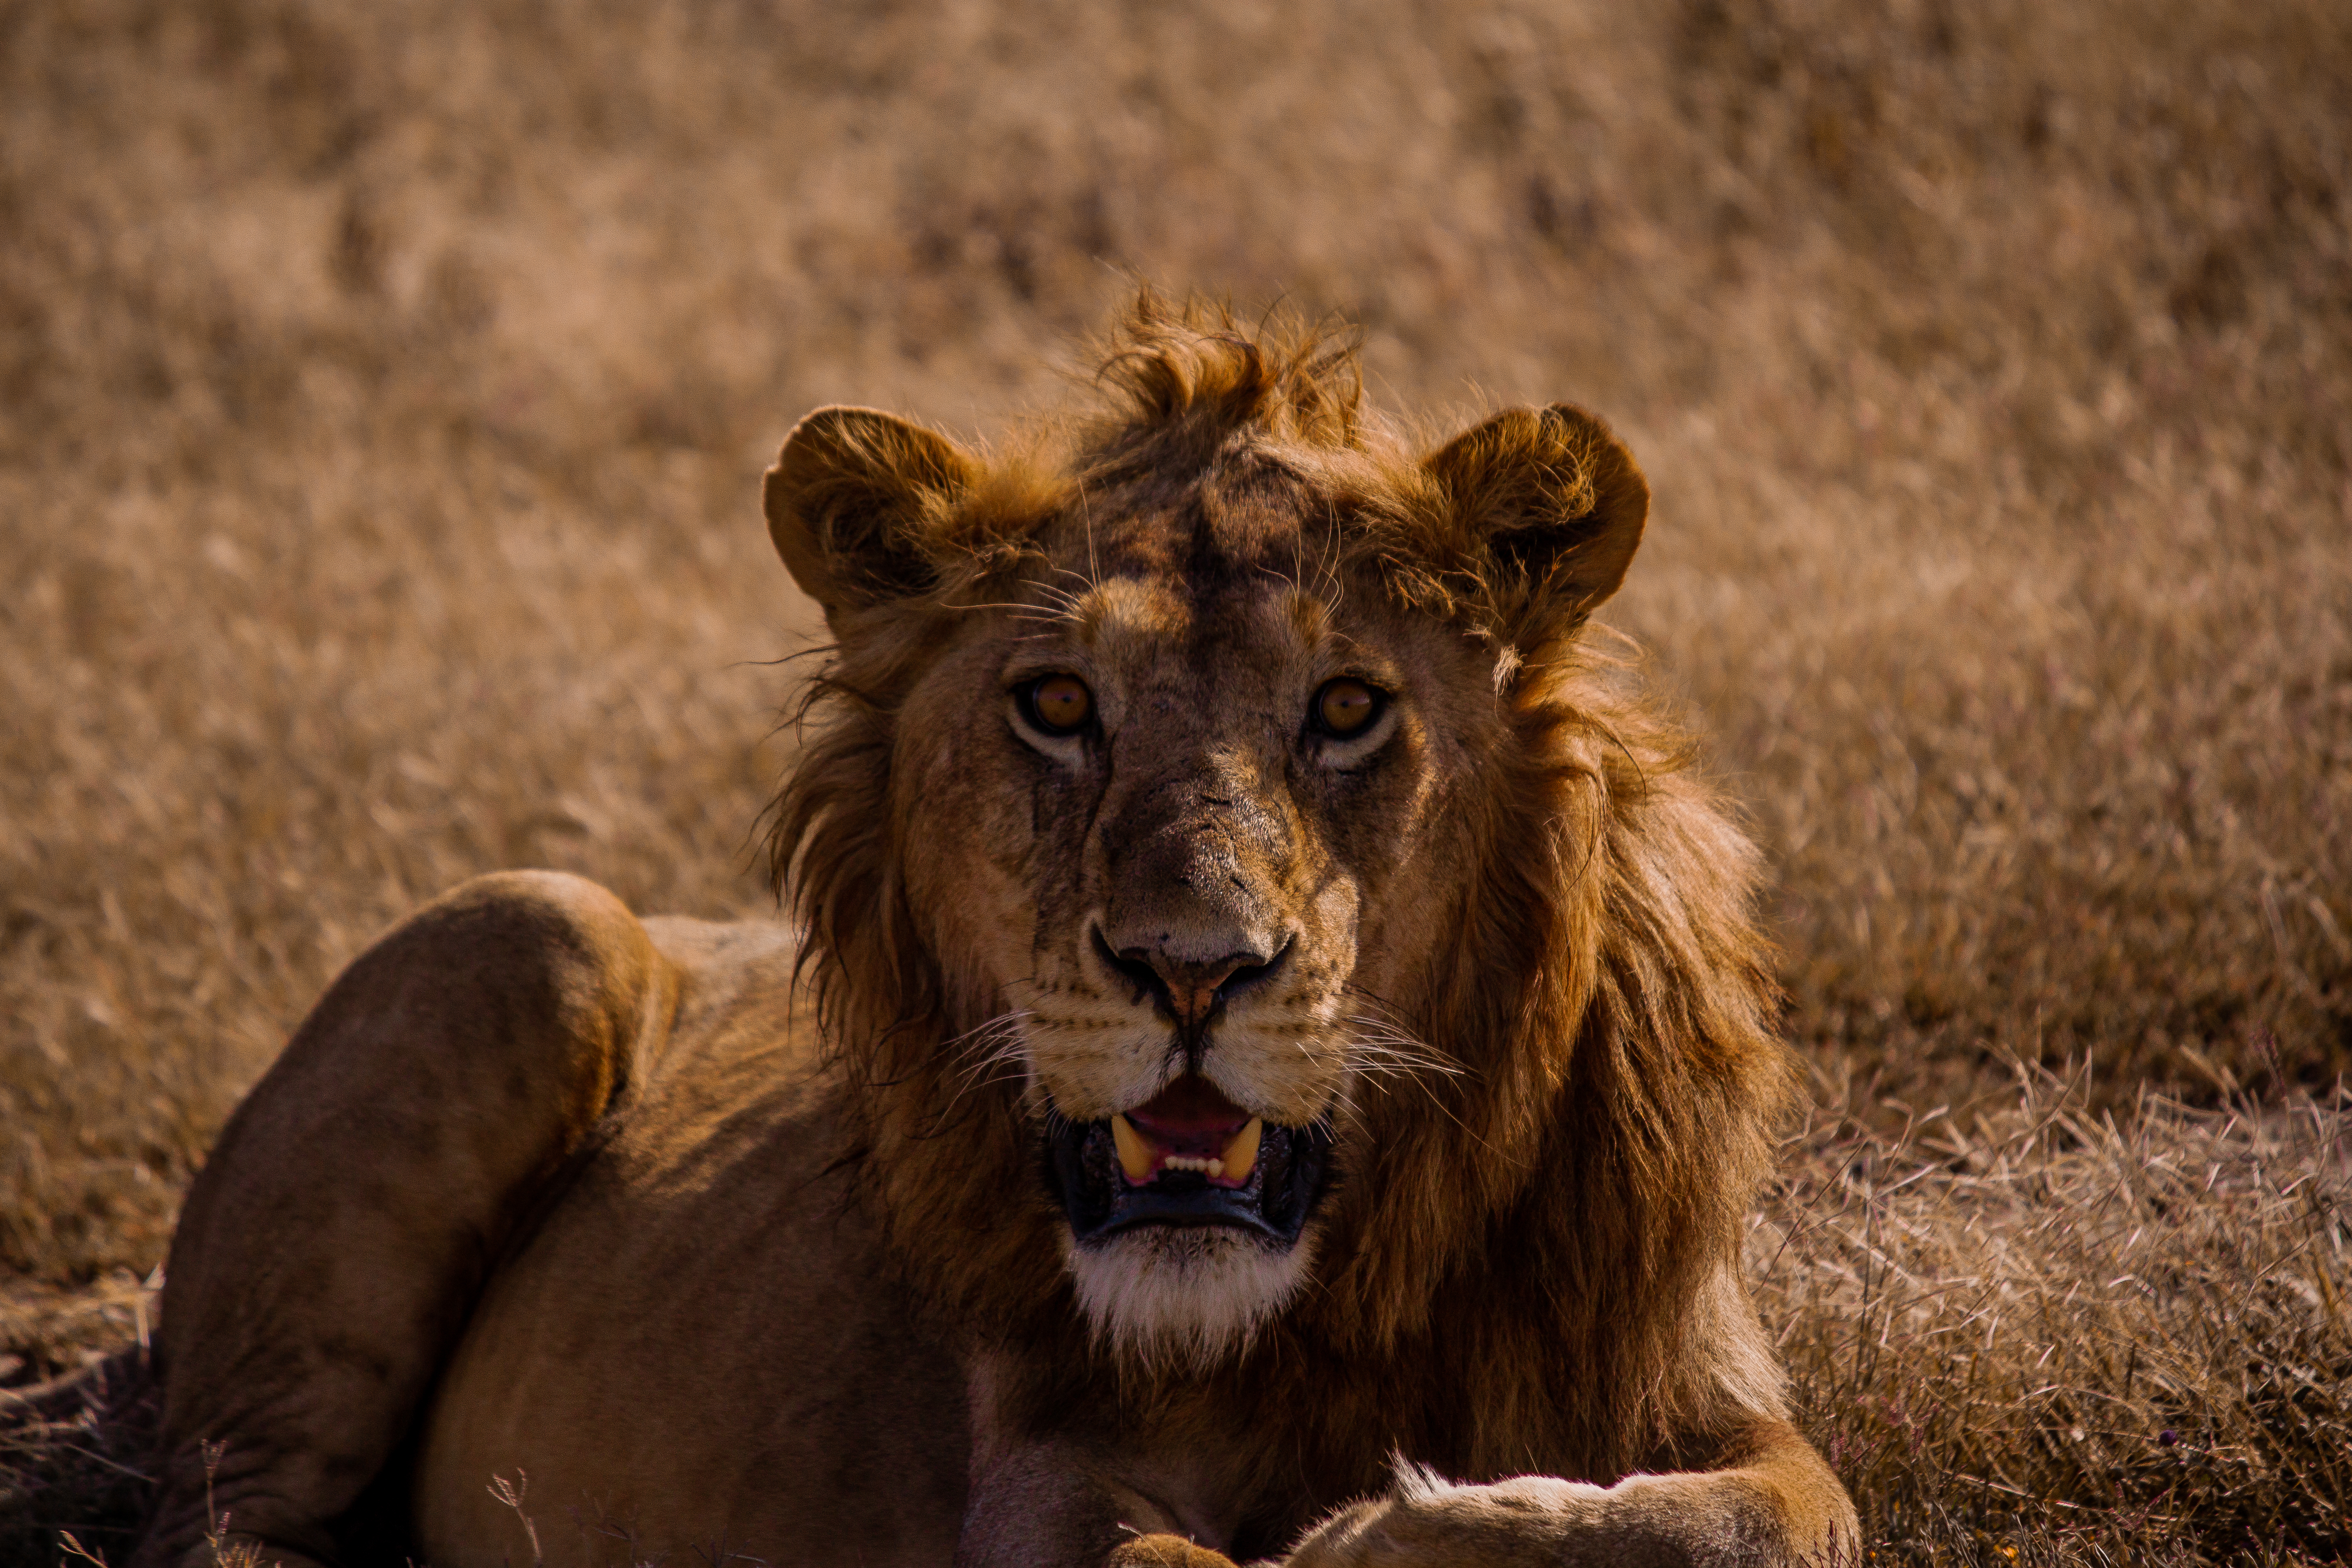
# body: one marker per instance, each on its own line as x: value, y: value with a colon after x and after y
x: 999, y: 1049
x: 1003, y: 1038
x: 1001, y: 1021
x: 1381, y: 1041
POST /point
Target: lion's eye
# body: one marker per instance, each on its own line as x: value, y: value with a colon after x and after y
x: 1060, y: 704
x: 1344, y: 707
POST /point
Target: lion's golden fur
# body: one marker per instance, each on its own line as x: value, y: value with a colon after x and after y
x: 1606, y: 1002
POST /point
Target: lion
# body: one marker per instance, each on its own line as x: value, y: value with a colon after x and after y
x: 1270, y: 1061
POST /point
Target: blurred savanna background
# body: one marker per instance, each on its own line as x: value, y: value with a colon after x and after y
x: 383, y: 391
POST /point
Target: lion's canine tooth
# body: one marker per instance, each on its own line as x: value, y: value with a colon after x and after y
x: 1134, y: 1148
x: 1241, y: 1154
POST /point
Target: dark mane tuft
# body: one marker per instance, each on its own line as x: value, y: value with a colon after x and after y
x: 1189, y: 375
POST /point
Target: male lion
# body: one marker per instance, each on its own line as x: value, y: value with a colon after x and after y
x: 1282, y: 1057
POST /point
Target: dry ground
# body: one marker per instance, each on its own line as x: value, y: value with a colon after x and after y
x: 382, y: 392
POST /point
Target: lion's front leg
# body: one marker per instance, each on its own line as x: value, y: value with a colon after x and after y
x: 1065, y: 1505
x: 1779, y: 1505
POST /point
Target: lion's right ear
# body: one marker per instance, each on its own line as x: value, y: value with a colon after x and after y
x: 1551, y: 506
x: 853, y: 496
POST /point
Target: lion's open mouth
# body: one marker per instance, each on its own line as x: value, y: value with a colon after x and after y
x: 1188, y: 1156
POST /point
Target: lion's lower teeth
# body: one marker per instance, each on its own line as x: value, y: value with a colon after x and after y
x: 1192, y: 1162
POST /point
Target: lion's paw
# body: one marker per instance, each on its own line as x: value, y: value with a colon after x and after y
x: 1426, y: 1520
x: 1166, y: 1552
x: 1690, y: 1521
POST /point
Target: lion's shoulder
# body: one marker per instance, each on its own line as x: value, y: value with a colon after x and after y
x: 736, y: 1024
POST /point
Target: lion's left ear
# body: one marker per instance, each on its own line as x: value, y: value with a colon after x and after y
x: 1551, y: 501
x: 852, y: 500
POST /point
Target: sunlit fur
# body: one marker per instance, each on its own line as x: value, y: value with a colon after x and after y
x: 1553, y: 1158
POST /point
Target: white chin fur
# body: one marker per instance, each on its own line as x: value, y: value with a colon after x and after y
x: 1186, y: 1296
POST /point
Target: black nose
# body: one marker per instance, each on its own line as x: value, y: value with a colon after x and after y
x: 1188, y: 990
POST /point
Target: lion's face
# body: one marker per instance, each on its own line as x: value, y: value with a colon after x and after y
x: 1159, y: 810
x: 1178, y: 800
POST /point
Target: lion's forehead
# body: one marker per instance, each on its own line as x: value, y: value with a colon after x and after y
x: 1250, y: 607
x: 1243, y: 511
x: 1169, y: 642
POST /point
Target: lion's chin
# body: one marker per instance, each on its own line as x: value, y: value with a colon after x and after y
x: 1185, y: 1297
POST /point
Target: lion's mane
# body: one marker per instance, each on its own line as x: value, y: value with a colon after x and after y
x: 1548, y: 1228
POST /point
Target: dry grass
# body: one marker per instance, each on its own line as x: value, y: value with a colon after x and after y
x: 2034, y: 1332
x: 382, y: 395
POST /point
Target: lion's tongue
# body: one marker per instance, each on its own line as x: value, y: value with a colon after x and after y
x: 1191, y: 1125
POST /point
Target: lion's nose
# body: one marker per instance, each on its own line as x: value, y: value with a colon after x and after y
x: 1188, y: 990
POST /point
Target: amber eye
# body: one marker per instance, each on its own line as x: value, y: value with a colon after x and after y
x: 1344, y: 707
x: 1059, y: 704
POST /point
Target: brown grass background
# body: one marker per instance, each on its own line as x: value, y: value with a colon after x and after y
x: 383, y: 392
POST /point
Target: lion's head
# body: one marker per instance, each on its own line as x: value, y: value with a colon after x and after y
x: 1218, y: 843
